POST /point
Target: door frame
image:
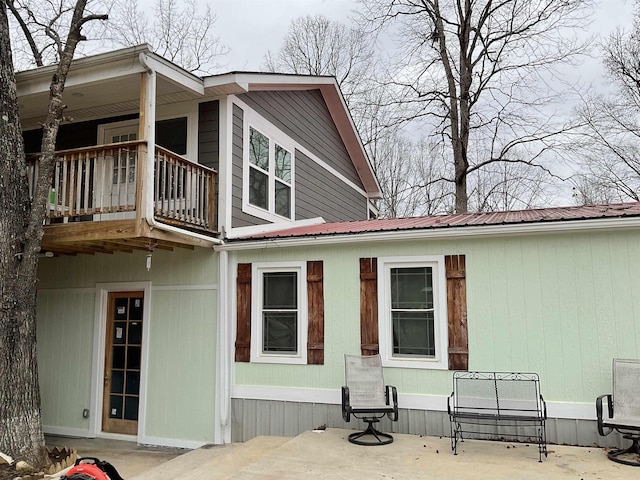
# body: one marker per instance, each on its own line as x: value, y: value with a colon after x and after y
x: 99, y: 345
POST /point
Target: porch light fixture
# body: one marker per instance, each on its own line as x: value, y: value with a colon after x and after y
x: 151, y: 247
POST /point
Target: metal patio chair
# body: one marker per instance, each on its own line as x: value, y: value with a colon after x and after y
x: 366, y: 397
x: 623, y: 410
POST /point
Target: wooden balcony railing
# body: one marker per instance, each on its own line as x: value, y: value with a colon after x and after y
x: 95, y: 183
x: 183, y: 190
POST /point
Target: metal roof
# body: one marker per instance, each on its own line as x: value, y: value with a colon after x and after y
x: 542, y: 215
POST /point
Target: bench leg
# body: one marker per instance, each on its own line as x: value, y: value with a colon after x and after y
x: 456, y: 433
x: 542, y: 441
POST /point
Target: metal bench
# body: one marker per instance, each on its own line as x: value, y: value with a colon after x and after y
x: 497, y: 399
x: 623, y: 410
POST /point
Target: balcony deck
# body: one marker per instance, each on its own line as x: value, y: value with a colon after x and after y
x: 101, y: 199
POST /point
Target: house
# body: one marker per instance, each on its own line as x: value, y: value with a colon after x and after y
x: 209, y: 259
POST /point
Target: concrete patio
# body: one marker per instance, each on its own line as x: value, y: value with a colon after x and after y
x: 328, y: 455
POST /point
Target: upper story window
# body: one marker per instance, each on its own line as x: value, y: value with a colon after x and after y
x: 412, y: 312
x: 269, y: 173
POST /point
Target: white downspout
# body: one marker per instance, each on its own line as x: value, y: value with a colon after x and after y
x: 150, y: 137
x: 222, y: 428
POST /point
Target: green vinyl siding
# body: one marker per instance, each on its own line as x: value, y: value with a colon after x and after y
x: 561, y: 305
x: 181, y: 340
x: 181, y: 378
x: 65, y: 344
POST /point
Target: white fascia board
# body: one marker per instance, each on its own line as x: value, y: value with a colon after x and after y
x: 104, y: 66
x: 272, y: 227
x: 568, y: 226
x: 85, y: 76
x: 279, y: 81
x: 173, y: 73
x: 227, y: 83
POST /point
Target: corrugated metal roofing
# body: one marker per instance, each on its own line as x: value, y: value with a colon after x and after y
x: 555, y: 214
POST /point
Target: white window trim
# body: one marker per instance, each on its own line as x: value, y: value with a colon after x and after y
x: 385, y: 325
x: 253, y: 119
x: 257, y: 356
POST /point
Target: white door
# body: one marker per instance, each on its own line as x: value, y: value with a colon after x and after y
x: 119, y: 171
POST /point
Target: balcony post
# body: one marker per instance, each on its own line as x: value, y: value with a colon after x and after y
x: 211, y: 202
x: 146, y: 132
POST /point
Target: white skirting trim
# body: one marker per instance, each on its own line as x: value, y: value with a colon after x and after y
x: 143, y: 440
x: 438, y: 403
x: 67, y: 432
x: 170, y: 442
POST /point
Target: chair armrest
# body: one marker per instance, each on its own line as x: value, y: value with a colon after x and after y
x: 346, y: 407
x: 392, y: 399
x: 544, y: 407
x: 601, y: 427
x: 449, y: 403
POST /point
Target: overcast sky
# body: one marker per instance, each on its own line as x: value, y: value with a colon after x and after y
x: 251, y: 27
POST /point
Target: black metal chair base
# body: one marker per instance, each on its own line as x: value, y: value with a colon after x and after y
x: 634, y: 449
x: 370, y: 437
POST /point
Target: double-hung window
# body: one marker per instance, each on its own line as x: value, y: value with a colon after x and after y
x: 412, y: 312
x: 270, y: 175
x: 279, y: 329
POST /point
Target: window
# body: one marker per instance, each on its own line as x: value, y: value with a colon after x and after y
x: 412, y: 312
x: 250, y: 317
x: 172, y: 134
x: 268, y: 179
x: 279, y: 316
x: 280, y: 312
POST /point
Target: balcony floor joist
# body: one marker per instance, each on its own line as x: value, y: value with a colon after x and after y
x: 115, y: 236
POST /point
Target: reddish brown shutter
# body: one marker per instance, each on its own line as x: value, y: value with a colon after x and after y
x: 315, y: 299
x: 457, y: 311
x: 369, y: 306
x: 243, y: 328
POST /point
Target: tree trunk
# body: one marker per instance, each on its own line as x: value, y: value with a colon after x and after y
x: 21, y: 433
x: 21, y: 228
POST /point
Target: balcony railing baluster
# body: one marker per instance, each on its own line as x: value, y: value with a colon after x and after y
x: 101, y: 180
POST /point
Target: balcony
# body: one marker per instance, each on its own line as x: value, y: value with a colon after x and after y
x: 105, y: 199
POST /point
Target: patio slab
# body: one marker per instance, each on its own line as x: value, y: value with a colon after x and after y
x: 328, y: 455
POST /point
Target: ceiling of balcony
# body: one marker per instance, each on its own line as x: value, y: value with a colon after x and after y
x: 99, y: 99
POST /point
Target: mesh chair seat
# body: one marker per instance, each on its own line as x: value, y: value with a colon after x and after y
x: 623, y: 410
x: 365, y: 396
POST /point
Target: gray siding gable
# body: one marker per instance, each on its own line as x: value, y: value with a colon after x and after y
x: 305, y: 118
x: 316, y: 197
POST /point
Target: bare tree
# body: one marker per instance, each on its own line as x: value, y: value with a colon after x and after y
x: 181, y: 31
x: 35, y: 25
x: 610, y: 166
x: 21, y: 228
x: 392, y: 163
x: 315, y: 45
x: 481, y: 72
x: 510, y: 186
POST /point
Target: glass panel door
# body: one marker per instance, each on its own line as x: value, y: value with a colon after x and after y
x: 122, y: 363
